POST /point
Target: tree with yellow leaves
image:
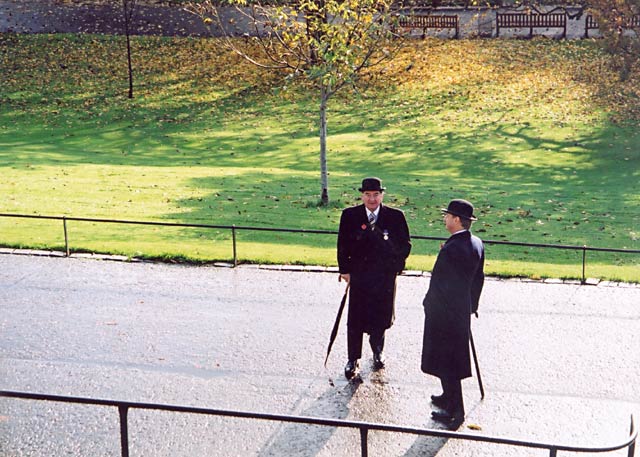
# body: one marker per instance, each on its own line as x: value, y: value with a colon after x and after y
x: 327, y: 42
x: 619, y: 23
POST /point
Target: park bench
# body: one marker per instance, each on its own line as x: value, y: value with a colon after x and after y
x: 592, y: 24
x: 428, y: 21
x: 531, y: 21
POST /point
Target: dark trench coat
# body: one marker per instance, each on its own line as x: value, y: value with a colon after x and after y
x: 373, y: 258
x: 454, y: 293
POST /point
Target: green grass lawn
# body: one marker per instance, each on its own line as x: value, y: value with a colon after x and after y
x: 548, y: 152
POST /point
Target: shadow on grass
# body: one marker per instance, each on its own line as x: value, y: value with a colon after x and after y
x: 542, y: 182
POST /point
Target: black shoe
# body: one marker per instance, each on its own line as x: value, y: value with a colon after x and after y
x: 378, y: 360
x: 440, y: 401
x: 451, y: 421
x: 351, y: 369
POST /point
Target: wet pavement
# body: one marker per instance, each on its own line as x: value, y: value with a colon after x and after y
x: 560, y: 362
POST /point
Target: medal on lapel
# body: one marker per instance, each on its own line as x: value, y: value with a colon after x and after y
x: 385, y: 235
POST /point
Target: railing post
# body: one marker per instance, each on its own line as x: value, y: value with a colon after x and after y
x: 584, y: 264
x: 553, y: 452
x: 364, y: 446
x: 235, y: 252
x: 66, y: 238
x: 124, y: 430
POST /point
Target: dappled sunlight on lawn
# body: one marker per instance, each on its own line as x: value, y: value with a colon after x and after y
x: 539, y: 148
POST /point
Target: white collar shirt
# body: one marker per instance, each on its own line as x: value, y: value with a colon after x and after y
x: 375, y: 213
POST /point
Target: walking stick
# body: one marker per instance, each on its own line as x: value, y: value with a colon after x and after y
x: 475, y: 359
x: 334, y: 332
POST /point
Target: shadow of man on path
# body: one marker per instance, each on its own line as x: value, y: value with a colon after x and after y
x: 426, y: 446
x: 367, y: 399
x: 308, y: 440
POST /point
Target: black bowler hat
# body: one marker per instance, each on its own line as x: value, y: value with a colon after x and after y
x: 372, y: 185
x: 460, y: 208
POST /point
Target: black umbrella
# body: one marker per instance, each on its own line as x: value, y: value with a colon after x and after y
x: 334, y: 332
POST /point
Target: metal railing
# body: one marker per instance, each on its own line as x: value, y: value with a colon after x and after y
x: 235, y: 228
x: 363, y: 427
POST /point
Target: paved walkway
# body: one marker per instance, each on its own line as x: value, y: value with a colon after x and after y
x: 52, y: 16
x: 560, y: 362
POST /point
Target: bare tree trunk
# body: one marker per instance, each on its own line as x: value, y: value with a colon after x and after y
x: 324, y: 173
x: 127, y: 7
x: 130, y: 67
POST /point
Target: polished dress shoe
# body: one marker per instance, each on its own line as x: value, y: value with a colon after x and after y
x: 351, y: 369
x: 452, y: 421
x: 440, y: 401
x: 378, y: 360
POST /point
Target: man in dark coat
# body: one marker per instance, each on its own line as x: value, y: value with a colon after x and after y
x: 453, y: 295
x: 373, y: 244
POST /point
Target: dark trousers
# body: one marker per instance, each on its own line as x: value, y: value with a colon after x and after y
x: 452, y: 392
x: 354, y: 342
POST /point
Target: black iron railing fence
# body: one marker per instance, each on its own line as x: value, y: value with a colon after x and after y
x: 363, y: 427
x: 236, y: 228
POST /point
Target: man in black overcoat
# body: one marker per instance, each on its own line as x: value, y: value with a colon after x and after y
x: 453, y: 295
x: 373, y: 244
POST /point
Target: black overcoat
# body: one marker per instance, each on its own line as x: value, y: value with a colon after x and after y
x: 454, y: 292
x: 373, y: 256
